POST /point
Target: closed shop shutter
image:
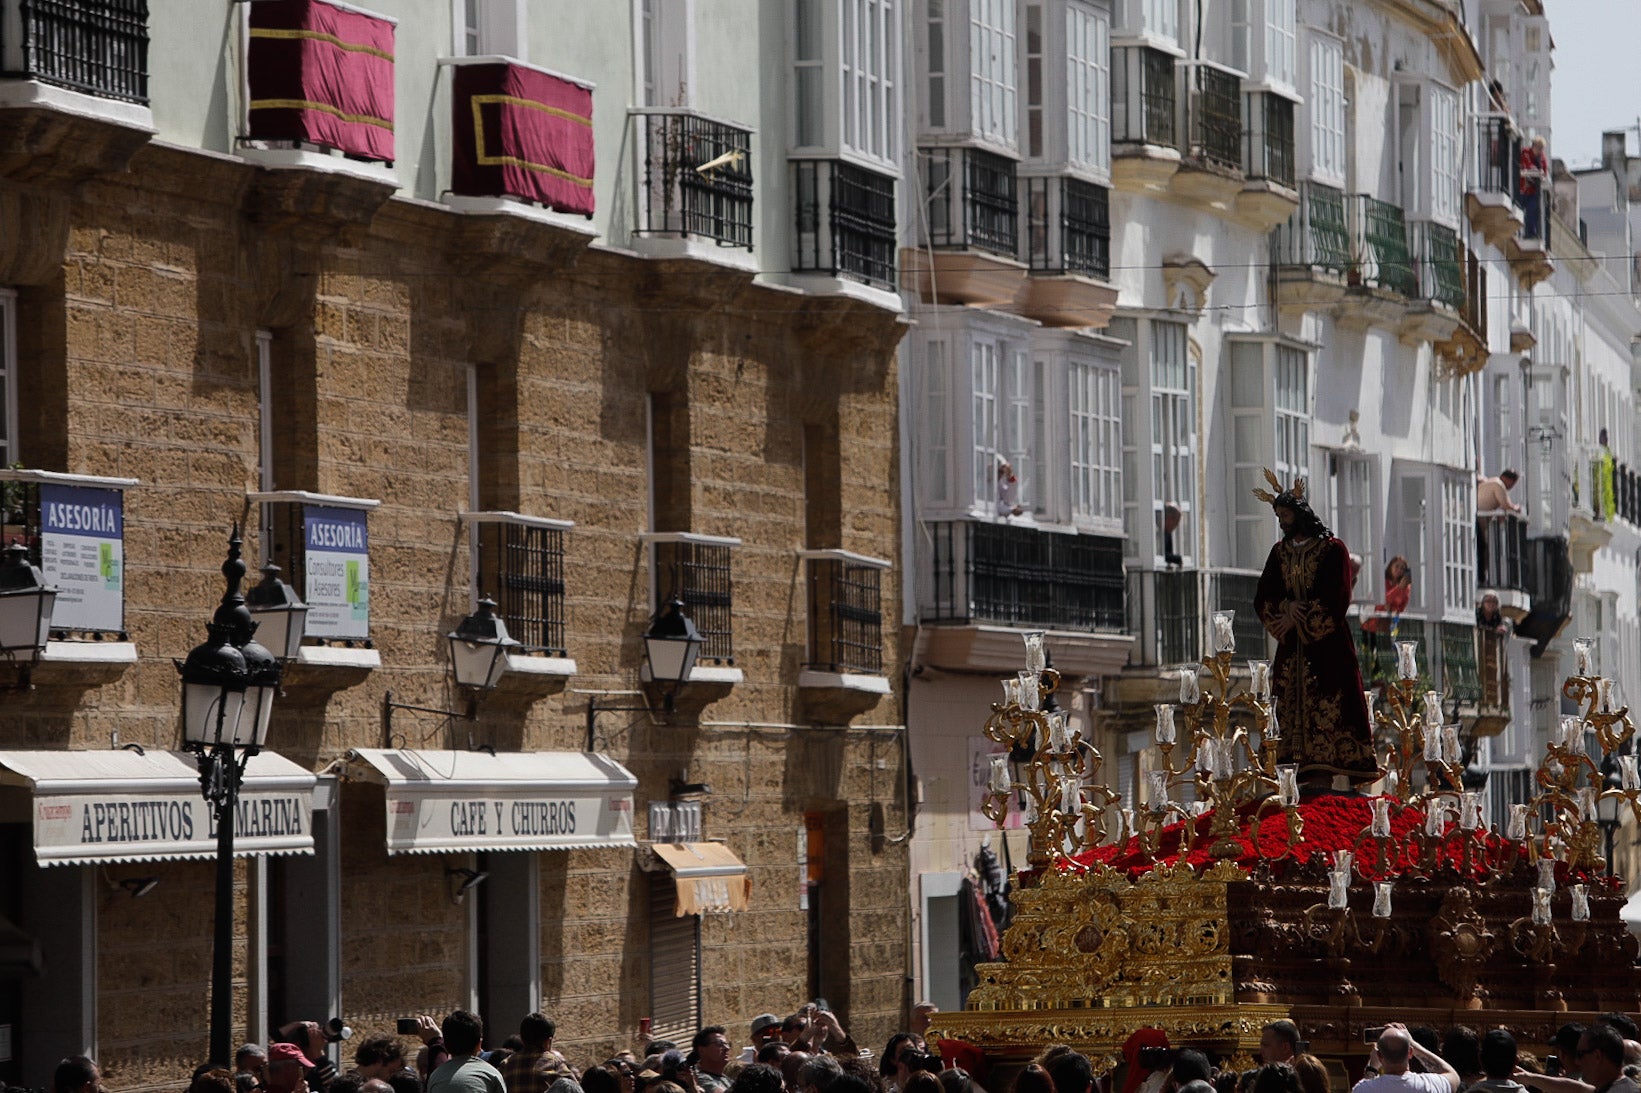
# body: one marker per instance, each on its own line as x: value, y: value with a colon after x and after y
x: 675, y: 964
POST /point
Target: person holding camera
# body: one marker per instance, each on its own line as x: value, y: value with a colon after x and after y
x: 905, y: 1054
x: 1389, y: 1069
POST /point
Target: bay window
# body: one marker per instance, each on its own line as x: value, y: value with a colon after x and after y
x: 1095, y: 445
x: 1270, y: 427
x: 846, y: 78
x: 1326, y: 102
x: 1354, y: 521
x: 992, y: 70
x: 1088, y: 88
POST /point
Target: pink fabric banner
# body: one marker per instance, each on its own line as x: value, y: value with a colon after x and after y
x: 321, y: 74
x: 520, y: 132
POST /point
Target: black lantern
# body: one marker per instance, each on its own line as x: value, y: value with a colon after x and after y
x: 672, y: 645
x: 281, y: 616
x: 26, y: 602
x: 479, y: 648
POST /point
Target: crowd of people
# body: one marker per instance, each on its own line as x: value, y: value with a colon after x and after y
x: 810, y: 1052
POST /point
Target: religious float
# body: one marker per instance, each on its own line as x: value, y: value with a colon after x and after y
x: 1229, y: 898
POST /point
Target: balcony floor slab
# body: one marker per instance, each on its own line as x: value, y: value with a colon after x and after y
x: 983, y: 647
x: 965, y: 276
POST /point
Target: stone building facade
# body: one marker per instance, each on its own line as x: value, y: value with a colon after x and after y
x: 219, y: 330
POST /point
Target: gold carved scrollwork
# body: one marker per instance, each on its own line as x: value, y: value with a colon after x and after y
x: 1460, y: 941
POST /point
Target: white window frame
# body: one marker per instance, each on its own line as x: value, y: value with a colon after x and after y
x: 1088, y: 88
x: 985, y: 382
x: 936, y: 428
x: 936, y: 31
x: 1270, y: 413
x: 488, y: 28
x: 1034, y: 48
x: 1458, y: 538
x: 1095, y: 447
x: 870, y: 109
x: 1172, y: 431
x: 1414, y: 533
x: 1017, y: 441
x: 1326, y: 129
x: 808, y: 72
x: 1291, y: 408
x: 1355, y: 505
x: 993, y: 72
x: 1446, y: 153
x: 1280, y: 67
x: 665, y: 70
x: 10, y: 451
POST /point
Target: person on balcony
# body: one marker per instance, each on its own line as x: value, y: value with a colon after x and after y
x: 1606, y: 493
x: 1008, y: 490
x: 1535, y: 175
x: 1301, y: 599
x: 1492, y: 504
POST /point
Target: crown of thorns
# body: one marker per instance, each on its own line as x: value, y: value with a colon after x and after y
x: 1284, y: 495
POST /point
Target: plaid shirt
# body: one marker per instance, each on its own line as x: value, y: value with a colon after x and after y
x: 534, y: 1071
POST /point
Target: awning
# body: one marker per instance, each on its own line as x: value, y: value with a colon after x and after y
x: 441, y: 802
x: 127, y: 805
x: 709, y: 877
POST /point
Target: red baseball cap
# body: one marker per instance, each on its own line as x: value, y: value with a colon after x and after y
x: 284, y: 1053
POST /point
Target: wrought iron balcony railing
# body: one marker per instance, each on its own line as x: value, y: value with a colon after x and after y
x: 1166, y: 608
x: 1379, y: 253
x: 699, y: 575
x: 845, y: 615
x: 1233, y: 590
x: 1376, y: 637
x: 1068, y: 226
x: 1501, y: 551
x: 845, y: 221
x: 1270, y: 139
x: 697, y: 177
x: 1316, y: 236
x: 98, y: 47
x: 1497, y: 158
x: 973, y: 200
x: 1437, y: 262
x: 1475, y: 293
x: 1213, y: 104
x: 1145, y: 96
x: 982, y: 572
x: 522, y: 567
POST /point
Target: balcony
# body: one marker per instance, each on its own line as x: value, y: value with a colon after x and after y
x: 1234, y: 590
x: 1382, y: 281
x: 1493, y: 681
x: 1210, y: 172
x: 843, y: 674
x: 1068, y: 247
x: 1438, y: 273
x: 1270, y: 195
x: 1490, y: 191
x: 521, y: 143
x: 698, y: 572
x: 1501, y: 561
x: 985, y: 582
x: 1311, y: 252
x: 1548, y: 575
x: 695, y: 192
x: 1466, y: 350
x: 972, y: 205
x: 1144, y: 104
x: 1165, y: 608
x: 844, y: 223
x: 73, y: 88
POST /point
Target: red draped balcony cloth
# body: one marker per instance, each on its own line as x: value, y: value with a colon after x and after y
x: 522, y: 132
x: 322, y: 74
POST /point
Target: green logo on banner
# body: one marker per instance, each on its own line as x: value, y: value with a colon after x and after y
x: 107, y: 568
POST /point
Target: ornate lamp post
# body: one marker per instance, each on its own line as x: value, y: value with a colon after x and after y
x: 228, y: 686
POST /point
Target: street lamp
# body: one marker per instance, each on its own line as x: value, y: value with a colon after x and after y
x: 281, y: 616
x: 479, y: 647
x: 26, y: 602
x: 1608, y: 805
x: 228, y: 686
x: 671, y: 645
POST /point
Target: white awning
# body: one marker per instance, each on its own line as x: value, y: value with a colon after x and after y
x: 441, y: 802
x: 126, y: 805
x: 709, y: 877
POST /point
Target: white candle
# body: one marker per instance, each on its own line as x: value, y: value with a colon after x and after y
x: 1432, y: 708
x: 1432, y: 744
x: 1381, y: 818
x: 1450, y: 744
x: 1541, y: 906
x: 1369, y: 698
x: 1470, y: 812
x: 1518, y: 822
x: 1198, y: 808
x: 999, y: 781
x: 1273, y: 729
x: 1165, y: 723
x: 1070, y: 800
x: 1586, y: 804
x: 1029, y: 693
x: 1036, y: 661
x: 1583, y: 656
x: 1628, y: 775
x: 1057, y: 737
x: 1342, y: 861
x: 1224, y: 760
x: 1259, y: 675
x: 1205, y: 754
x: 1128, y: 822
x: 1287, y: 784
x: 1224, y: 632
x: 1381, y: 899
x: 1546, y: 875
x: 1435, y: 820
x: 1604, y: 691
x: 1338, y: 885
x: 1407, y: 659
x: 1011, y: 692
x: 1581, y: 902
x: 1159, y: 789
x: 1190, y: 692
